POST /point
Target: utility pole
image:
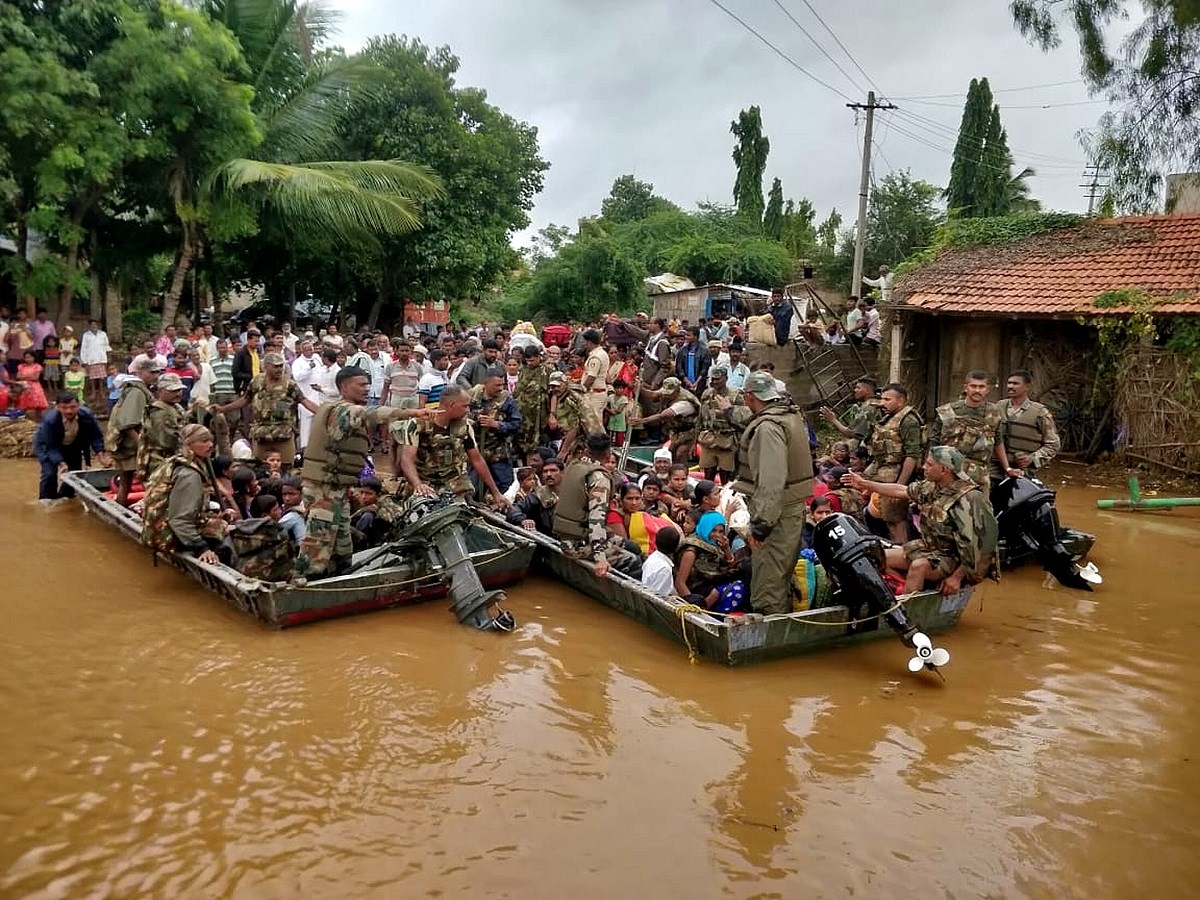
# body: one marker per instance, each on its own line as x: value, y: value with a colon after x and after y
x: 864, y: 186
x: 1094, y: 186
x: 889, y: 327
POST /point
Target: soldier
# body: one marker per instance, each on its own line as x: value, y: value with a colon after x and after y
x: 125, y: 424
x: 958, y: 531
x: 972, y: 427
x: 579, y: 514
x: 1030, y: 439
x: 895, y: 443
x: 568, y: 414
x: 860, y: 418
x: 435, y: 451
x: 678, y: 418
x: 533, y: 399
x: 774, y: 471
x: 159, y: 439
x: 273, y: 397
x: 718, y: 436
x: 337, y: 450
x: 496, y: 419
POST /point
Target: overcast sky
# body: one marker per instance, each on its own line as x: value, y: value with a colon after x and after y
x: 651, y: 86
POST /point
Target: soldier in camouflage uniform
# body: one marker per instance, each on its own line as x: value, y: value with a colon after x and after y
x: 1030, y: 438
x: 569, y: 415
x: 435, y: 452
x: 896, y: 444
x: 333, y: 460
x: 533, y: 400
x: 273, y: 398
x: 679, y: 417
x: 579, y: 514
x: 496, y: 420
x: 718, y: 438
x: 972, y: 427
x: 958, y: 531
x: 164, y: 417
x: 125, y: 425
x: 856, y: 423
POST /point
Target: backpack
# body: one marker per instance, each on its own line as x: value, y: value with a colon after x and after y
x: 263, y: 549
x: 156, y: 529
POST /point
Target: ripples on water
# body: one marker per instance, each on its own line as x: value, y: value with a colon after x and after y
x: 157, y: 743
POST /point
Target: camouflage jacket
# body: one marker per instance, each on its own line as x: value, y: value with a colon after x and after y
x: 495, y: 443
x: 894, y: 440
x: 159, y: 440
x: 274, y: 408
x: 441, y: 450
x: 533, y: 393
x: 956, y: 521
x: 972, y: 431
x: 716, y: 430
x: 262, y: 549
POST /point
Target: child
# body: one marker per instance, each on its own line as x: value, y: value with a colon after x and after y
x: 111, y: 386
x: 293, y: 519
x: 69, y: 345
x: 274, y: 463
x: 75, y: 380
x: 260, y: 544
x: 658, y: 571
x: 527, y: 482
x: 819, y: 509
x: 618, y: 405
x: 52, y: 363
x: 366, y: 528
x: 651, y: 503
x: 33, y: 398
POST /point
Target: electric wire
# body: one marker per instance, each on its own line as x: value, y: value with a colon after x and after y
x: 787, y: 12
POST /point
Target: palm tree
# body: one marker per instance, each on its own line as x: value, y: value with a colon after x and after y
x: 300, y: 96
x: 1017, y: 197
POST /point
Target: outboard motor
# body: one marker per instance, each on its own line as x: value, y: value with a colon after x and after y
x: 1025, y: 513
x: 853, y: 557
x: 437, y: 524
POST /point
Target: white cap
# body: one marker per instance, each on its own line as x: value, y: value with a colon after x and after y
x: 663, y: 453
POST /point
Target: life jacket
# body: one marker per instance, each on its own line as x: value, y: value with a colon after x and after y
x: 263, y: 549
x: 159, y: 439
x: 885, y: 443
x: 937, y: 530
x: 716, y: 431
x: 156, y: 527
x: 441, y: 455
x: 1020, y: 431
x: 274, y: 410
x: 972, y: 432
x: 492, y: 445
x: 680, y: 426
x: 851, y: 501
x: 334, y: 464
x: 799, y: 464
x: 571, y: 511
x: 112, y: 434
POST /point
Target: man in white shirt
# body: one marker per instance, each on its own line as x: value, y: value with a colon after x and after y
x: 884, y: 283
x: 738, y: 370
x: 658, y: 572
x: 304, y: 373
x: 93, y: 353
x: 290, y: 339
x: 325, y: 375
x: 206, y: 343
x: 411, y: 331
x: 332, y: 338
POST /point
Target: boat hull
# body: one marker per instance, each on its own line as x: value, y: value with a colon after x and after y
x: 737, y: 640
x: 500, y: 557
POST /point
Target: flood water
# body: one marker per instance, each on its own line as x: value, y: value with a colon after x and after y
x: 156, y: 742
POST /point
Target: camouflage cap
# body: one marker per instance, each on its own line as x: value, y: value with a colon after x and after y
x: 718, y: 372
x: 273, y: 359
x: 762, y: 385
x: 671, y: 385
x: 557, y: 377
x: 194, y: 434
x: 951, y: 459
x: 170, y: 382
x: 149, y: 364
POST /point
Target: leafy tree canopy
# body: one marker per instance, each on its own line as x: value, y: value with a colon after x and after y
x: 631, y: 200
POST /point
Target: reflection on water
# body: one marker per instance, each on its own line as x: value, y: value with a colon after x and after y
x: 158, y: 742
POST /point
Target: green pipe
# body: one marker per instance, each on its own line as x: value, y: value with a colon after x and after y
x: 1152, y: 503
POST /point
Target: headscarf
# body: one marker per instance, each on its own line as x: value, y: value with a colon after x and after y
x: 709, y: 521
x: 951, y: 459
x: 194, y: 434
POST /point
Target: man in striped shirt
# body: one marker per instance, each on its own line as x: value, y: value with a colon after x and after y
x: 222, y: 393
x: 429, y: 389
x: 402, y: 378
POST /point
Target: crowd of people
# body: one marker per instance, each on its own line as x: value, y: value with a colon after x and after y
x: 259, y: 449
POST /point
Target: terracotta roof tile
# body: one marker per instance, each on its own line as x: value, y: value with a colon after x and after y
x: 1061, y: 273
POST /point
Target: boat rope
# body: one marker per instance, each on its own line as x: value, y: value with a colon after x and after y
x: 683, y: 608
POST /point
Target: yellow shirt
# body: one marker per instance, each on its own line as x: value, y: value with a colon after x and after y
x: 254, y: 363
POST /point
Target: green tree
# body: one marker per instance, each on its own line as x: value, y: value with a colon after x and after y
x: 302, y: 95
x: 773, y: 217
x: 750, y: 157
x: 799, y: 233
x: 902, y: 218
x: 590, y: 276
x: 1152, y: 73
x: 963, y: 190
x: 631, y: 200
x: 488, y: 161
x: 982, y: 183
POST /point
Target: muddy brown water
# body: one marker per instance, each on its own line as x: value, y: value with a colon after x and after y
x: 157, y: 743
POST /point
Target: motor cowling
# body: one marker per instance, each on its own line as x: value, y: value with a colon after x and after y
x: 1025, y: 514
x: 854, y: 558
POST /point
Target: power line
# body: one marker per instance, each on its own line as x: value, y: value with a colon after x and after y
x: 838, y: 41
x: 949, y: 132
x: 1028, y: 87
x: 791, y: 62
x: 817, y: 44
x: 1012, y: 106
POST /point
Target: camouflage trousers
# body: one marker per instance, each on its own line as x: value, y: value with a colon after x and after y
x: 328, y: 537
x: 620, y: 559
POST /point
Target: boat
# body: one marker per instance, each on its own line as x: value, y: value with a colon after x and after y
x: 380, y: 578
x: 741, y: 639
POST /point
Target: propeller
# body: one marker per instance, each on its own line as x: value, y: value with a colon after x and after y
x: 928, y: 656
